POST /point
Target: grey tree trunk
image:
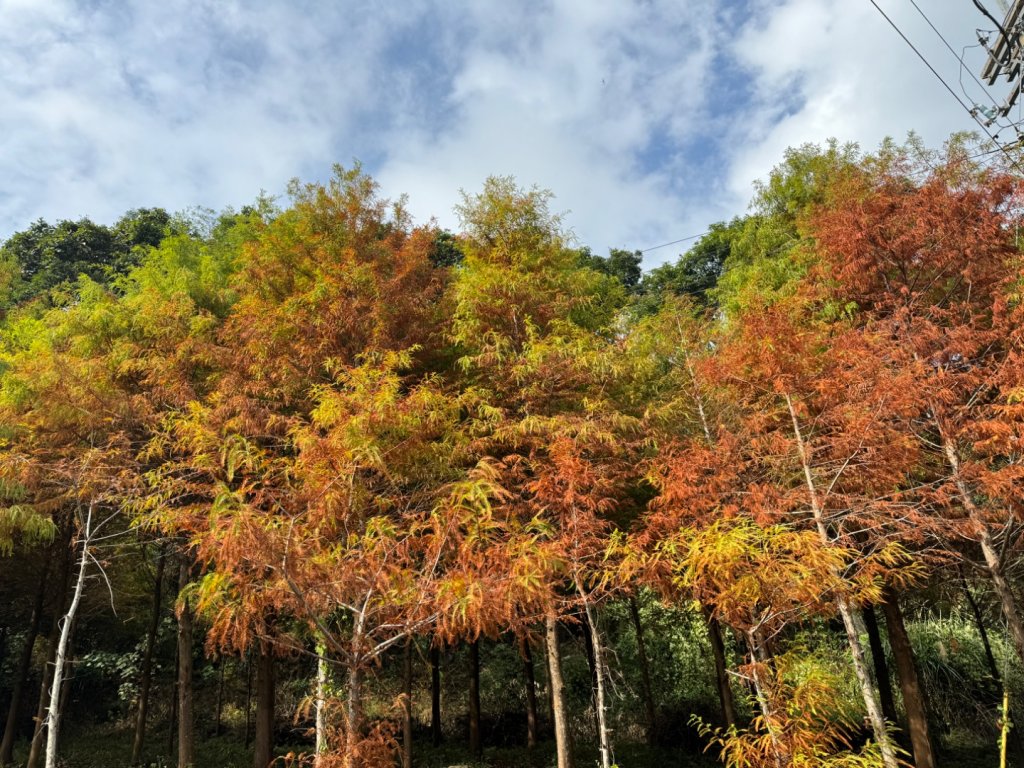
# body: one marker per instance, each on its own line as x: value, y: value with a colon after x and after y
x: 853, y: 630
x: 988, y: 548
x: 35, y: 753
x: 563, y: 737
x: 603, y: 734
x: 60, y: 658
x: 321, y: 702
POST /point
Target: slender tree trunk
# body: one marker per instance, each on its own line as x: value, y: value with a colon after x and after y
x: 23, y: 668
x: 407, y: 705
x: 645, y: 670
x: 563, y: 738
x: 146, y: 673
x: 910, y: 683
x: 721, y: 669
x: 435, y: 694
x: 475, y: 743
x: 988, y: 548
x: 993, y: 667
x: 603, y: 734
x: 219, y: 718
x: 248, y: 699
x: 880, y: 664
x: 186, y: 720
x: 67, y: 622
x: 263, y: 741
x: 353, y: 710
x: 850, y: 622
x: 531, y: 694
x: 759, y: 659
x: 321, y: 702
x: 38, y: 738
x: 172, y: 726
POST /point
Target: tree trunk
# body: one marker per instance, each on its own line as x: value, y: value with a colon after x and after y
x: 603, y: 735
x: 850, y: 623
x: 23, y: 668
x: 721, y: 669
x: 263, y: 740
x: 219, y: 707
x: 910, y: 684
x: 186, y: 723
x: 758, y: 659
x: 248, y: 699
x: 988, y: 548
x: 321, y: 702
x: 172, y: 725
x: 67, y: 622
x: 435, y: 695
x: 880, y: 664
x: 67, y: 558
x: 645, y: 671
x: 475, y: 743
x: 993, y: 667
x: 407, y: 705
x: 563, y: 738
x: 146, y: 673
x: 353, y: 709
x: 531, y: 694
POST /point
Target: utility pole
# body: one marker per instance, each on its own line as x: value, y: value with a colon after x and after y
x: 1005, y: 56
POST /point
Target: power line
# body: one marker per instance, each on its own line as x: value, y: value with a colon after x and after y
x: 946, y: 85
x: 951, y: 50
x: 674, y: 242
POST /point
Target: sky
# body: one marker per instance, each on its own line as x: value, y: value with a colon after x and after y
x: 647, y: 119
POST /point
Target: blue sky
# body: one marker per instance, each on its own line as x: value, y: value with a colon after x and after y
x: 648, y: 119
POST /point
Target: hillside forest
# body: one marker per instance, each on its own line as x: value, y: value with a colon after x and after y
x: 308, y: 483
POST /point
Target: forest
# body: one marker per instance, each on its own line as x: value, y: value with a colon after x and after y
x: 307, y: 483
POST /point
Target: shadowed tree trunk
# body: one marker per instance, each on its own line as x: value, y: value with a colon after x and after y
x: 435, y: 695
x: 531, y: 693
x: 23, y: 668
x: 186, y: 724
x: 263, y: 739
x: 880, y: 664
x: 910, y: 685
x: 475, y: 743
x: 993, y: 667
x: 645, y: 670
x: 146, y: 673
x: 721, y: 669
x: 563, y: 738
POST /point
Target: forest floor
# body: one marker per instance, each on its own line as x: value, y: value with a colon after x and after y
x: 102, y: 747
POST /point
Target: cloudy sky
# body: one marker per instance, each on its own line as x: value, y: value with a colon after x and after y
x: 648, y: 119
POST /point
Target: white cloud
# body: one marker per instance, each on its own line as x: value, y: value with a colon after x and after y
x: 648, y: 119
x: 852, y: 77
